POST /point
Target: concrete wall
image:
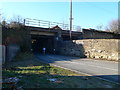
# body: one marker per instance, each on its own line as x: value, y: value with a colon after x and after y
x: 12, y: 50
x: 2, y: 54
x: 92, y: 48
x: 19, y: 36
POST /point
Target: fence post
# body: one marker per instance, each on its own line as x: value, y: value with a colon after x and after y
x: 49, y: 24
x: 24, y: 22
x: 39, y: 23
x: 63, y: 26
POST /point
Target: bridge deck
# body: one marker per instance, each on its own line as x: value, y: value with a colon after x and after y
x: 63, y: 32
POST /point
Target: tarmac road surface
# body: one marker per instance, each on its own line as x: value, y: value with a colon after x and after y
x: 107, y: 70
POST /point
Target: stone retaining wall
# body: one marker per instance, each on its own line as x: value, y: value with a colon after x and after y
x: 92, y: 48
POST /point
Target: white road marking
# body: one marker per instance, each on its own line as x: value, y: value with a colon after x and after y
x: 98, y: 66
x: 76, y: 70
x: 84, y: 73
x: 85, y: 64
x: 72, y: 70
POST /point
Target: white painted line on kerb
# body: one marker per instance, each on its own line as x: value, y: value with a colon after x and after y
x: 85, y: 64
x: 79, y: 72
x: 83, y: 73
x: 71, y: 70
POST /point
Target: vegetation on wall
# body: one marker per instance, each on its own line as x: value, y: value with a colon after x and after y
x: 14, y: 32
x: 19, y: 36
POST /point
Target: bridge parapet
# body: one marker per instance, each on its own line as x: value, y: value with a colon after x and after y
x: 48, y: 24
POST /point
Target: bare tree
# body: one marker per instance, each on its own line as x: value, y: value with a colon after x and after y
x: 114, y: 26
x: 16, y: 22
x: 99, y: 27
x: 2, y: 17
x: 17, y: 19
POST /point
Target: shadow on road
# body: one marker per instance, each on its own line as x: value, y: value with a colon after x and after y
x: 51, y: 59
x: 35, y: 75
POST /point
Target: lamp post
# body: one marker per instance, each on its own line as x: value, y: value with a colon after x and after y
x: 71, y: 19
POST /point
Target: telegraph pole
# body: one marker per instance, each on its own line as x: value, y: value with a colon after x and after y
x: 71, y: 19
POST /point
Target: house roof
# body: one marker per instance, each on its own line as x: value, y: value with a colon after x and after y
x: 56, y: 27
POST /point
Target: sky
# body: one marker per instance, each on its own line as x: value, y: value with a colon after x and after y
x: 85, y: 14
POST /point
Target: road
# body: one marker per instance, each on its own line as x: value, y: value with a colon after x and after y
x: 103, y: 69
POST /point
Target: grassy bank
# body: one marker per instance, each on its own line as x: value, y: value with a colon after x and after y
x: 34, y: 74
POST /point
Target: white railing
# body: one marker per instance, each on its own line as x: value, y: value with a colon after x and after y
x: 48, y: 24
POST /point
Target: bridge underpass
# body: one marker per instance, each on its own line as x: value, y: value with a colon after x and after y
x: 49, y: 38
x: 40, y: 41
x: 49, y: 35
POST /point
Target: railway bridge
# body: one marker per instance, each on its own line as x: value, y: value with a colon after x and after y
x: 45, y: 34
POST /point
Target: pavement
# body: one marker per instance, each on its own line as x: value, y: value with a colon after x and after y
x: 107, y: 70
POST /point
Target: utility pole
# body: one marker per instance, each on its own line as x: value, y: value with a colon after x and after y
x: 71, y: 19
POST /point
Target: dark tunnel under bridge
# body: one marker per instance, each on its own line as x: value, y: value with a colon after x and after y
x: 40, y: 42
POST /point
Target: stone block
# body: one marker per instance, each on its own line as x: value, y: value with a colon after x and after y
x: 96, y: 56
x: 94, y: 48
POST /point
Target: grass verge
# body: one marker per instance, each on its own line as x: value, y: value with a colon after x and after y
x: 35, y: 74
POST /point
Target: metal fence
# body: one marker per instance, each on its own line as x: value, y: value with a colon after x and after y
x: 48, y: 24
